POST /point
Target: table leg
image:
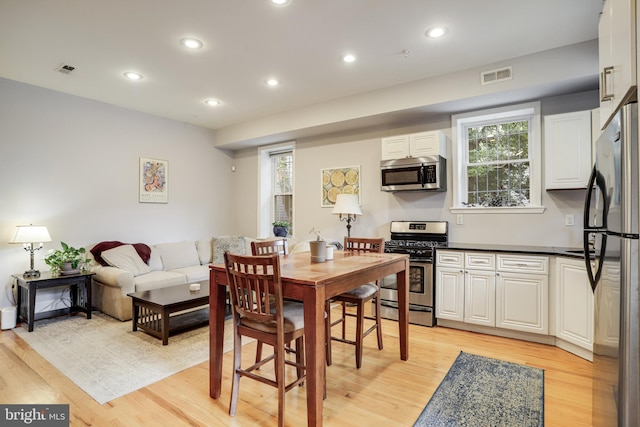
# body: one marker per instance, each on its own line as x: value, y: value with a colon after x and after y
x: 135, y: 309
x: 216, y: 334
x: 165, y: 326
x: 402, y: 278
x: 31, y: 309
x: 87, y: 296
x: 314, y: 301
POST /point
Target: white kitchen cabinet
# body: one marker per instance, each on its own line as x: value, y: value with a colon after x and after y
x: 480, y: 297
x: 450, y: 294
x: 607, y: 334
x: 574, y: 303
x: 617, y: 55
x: 422, y: 144
x: 507, y: 291
x: 567, y: 147
x: 522, y: 293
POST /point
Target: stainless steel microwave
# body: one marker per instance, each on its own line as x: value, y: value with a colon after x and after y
x: 414, y: 174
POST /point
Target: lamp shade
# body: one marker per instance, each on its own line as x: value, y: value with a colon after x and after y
x: 31, y: 234
x: 347, y: 204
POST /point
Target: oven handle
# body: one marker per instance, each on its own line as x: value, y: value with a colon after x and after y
x: 412, y: 307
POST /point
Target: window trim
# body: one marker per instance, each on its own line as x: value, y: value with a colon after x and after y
x: 265, y: 186
x: 458, y: 121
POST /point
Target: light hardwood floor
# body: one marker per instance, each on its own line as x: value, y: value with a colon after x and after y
x: 384, y: 392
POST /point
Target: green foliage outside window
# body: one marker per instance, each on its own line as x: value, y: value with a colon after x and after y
x: 498, y: 167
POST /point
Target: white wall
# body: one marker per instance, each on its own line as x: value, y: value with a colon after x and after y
x: 379, y: 208
x: 72, y: 164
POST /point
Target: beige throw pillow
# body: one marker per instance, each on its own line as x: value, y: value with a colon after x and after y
x: 126, y: 258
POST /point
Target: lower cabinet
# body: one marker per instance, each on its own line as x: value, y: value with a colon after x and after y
x: 574, y: 306
x: 504, y: 291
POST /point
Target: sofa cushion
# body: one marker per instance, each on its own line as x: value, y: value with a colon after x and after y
x: 178, y: 254
x: 155, y: 262
x: 204, y: 249
x: 143, y: 250
x: 233, y: 244
x: 195, y: 273
x: 158, y: 279
x: 126, y: 258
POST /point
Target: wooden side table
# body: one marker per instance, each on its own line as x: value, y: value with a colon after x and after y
x: 80, y: 285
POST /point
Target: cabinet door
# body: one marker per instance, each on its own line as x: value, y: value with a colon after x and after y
x: 427, y: 144
x: 607, y: 330
x: 522, y: 302
x: 395, y: 147
x: 567, y: 146
x: 480, y: 297
x: 574, y: 303
x: 617, y: 55
x: 450, y: 293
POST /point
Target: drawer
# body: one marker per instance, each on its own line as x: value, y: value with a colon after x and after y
x: 450, y: 259
x: 523, y: 264
x: 480, y: 261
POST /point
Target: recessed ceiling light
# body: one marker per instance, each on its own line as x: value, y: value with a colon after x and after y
x: 132, y: 75
x: 349, y: 57
x: 191, y: 43
x: 212, y: 102
x: 273, y: 82
x: 435, y: 32
x: 281, y: 2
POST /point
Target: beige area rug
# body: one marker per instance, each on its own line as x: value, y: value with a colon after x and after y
x: 105, y: 358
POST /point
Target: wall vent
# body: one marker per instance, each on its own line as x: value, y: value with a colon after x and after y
x: 495, y: 76
x: 65, y: 68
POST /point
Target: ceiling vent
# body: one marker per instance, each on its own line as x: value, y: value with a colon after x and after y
x: 65, y: 68
x: 495, y: 76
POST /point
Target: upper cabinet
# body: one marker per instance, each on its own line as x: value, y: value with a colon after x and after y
x: 617, y: 52
x: 567, y: 149
x: 421, y: 144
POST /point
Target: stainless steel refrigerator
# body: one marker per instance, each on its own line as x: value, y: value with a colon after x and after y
x: 611, y: 257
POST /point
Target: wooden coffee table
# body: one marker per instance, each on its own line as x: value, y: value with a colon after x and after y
x: 153, y: 309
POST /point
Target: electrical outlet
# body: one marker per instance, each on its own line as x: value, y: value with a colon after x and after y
x: 459, y: 219
x: 569, y: 220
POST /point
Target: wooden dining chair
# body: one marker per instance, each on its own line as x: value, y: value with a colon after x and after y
x: 268, y: 247
x: 358, y: 297
x: 260, y: 312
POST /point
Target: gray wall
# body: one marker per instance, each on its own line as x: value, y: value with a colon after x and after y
x: 379, y: 208
x: 72, y: 164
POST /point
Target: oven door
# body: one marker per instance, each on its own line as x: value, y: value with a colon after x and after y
x: 420, y: 285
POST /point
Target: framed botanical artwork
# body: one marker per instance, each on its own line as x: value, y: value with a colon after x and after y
x: 154, y: 175
x: 336, y: 181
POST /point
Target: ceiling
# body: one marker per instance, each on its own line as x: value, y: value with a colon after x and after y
x: 248, y: 41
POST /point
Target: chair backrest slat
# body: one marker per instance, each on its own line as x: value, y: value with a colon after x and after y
x: 363, y: 244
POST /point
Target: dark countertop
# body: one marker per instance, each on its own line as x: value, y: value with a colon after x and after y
x: 538, y: 250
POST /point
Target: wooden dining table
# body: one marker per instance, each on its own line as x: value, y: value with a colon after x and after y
x: 313, y: 283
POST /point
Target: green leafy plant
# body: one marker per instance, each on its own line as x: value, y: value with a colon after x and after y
x: 286, y: 224
x: 68, y: 254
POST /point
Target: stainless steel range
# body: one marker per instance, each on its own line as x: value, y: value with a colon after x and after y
x: 416, y: 238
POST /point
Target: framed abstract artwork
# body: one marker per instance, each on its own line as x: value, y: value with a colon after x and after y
x: 345, y: 180
x: 154, y: 175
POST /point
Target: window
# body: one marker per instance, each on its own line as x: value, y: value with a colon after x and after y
x: 282, y: 179
x: 275, y: 163
x: 496, y: 156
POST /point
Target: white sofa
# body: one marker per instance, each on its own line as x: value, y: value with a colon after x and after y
x: 169, y: 264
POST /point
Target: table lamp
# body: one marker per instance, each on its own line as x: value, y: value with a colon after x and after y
x: 28, y: 235
x: 347, y: 206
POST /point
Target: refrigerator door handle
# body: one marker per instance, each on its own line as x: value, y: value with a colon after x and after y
x: 587, y: 201
x: 594, y: 276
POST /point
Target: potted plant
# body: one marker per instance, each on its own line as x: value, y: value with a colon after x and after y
x: 66, y: 260
x: 281, y: 228
x: 318, y: 247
